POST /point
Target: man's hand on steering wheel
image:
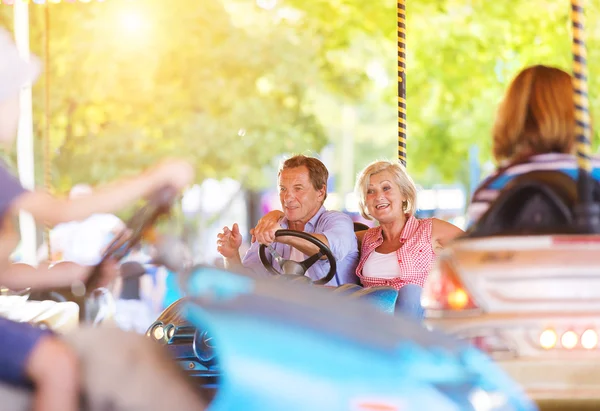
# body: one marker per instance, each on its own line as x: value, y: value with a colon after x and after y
x: 266, y: 227
x: 265, y: 233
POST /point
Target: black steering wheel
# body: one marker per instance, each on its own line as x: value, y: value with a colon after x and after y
x: 294, y: 268
x: 158, y: 204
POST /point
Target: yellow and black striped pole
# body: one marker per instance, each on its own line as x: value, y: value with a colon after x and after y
x: 401, y: 9
x: 580, y: 87
x: 587, y: 213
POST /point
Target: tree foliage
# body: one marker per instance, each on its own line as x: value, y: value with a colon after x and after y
x: 224, y: 83
x: 462, y: 55
x: 232, y: 86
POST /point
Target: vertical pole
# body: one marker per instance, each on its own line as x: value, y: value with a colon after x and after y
x: 580, y: 87
x: 401, y: 9
x: 587, y: 213
x: 25, y: 147
x: 46, y: 135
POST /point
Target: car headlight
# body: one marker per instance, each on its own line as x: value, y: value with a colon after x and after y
x: 170, y: 332
x: 162, y: 333
x: 158, y: 332
x: 589, y: 339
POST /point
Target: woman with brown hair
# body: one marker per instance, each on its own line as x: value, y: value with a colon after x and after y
x: 534, y: 130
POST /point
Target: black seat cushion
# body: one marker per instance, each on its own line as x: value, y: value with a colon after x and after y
x: 538, y: 202
x: 360, y: 226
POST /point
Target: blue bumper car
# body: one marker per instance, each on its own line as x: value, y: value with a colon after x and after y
x: 260, y: 344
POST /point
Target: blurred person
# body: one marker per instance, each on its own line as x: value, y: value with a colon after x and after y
x: 534, y: 130
x: 134, y: 302
x: 84, y: 241
x: 302, y: 191
x: 30, y: 355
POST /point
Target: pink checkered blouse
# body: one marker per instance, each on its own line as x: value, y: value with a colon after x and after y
x: 415, y: 255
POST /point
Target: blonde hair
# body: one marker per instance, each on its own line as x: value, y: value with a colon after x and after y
x: 537, y: 115
x: 401, y: 178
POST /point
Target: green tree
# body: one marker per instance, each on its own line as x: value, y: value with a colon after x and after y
x: 226, y: 84
x: 233, y: 86
x: 461, y: 57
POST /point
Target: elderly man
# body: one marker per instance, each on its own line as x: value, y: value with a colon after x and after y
x: 302, y: 191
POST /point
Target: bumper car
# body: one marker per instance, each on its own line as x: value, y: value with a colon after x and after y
x: 523, y: 285
x: 280, y: 345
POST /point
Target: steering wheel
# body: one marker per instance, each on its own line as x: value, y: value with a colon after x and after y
x: 158, y: 204
x: 294, y: 268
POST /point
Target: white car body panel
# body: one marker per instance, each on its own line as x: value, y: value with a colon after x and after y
x: 523, y: 286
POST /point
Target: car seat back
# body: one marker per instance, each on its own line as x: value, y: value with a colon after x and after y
x: 538, y: 202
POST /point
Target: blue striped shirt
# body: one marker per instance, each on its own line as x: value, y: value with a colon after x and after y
x: 482, y: 199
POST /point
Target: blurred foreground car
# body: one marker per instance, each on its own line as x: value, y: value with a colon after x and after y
x: 524, y: 287
x: 278, y: 345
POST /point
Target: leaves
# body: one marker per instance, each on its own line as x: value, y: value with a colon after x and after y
x: 462, y: 55
x: 224, y: 84
x: 232, y: 86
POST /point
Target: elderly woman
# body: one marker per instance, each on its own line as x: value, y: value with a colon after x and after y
x: 400, y: 251
x: 534, y: 130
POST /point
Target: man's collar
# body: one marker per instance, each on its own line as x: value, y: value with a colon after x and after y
x: 309, y: 224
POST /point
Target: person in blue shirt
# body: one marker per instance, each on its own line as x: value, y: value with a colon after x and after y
x: 534, y: 130
x: 302, y: 192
